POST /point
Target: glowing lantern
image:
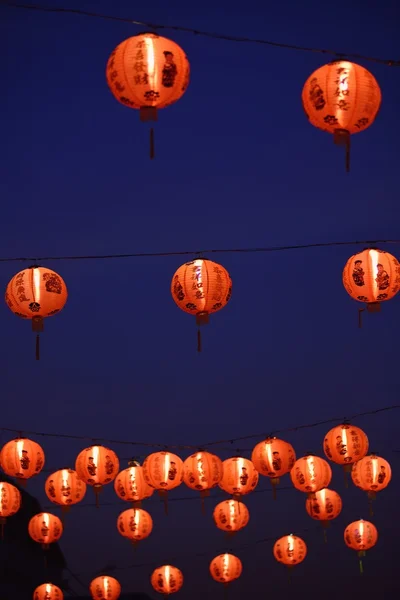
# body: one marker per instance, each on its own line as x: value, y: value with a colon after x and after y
x: 231, y: 516
x: 105, y: 588
x: 135, y: 524
x: 324, y: 506
x: 166, y: 580
x: 131, y: 486
x: 290, y: 550
x: 22, y: 458
x: 97, y: 466
x: 239, y: 476
x: 361, y: 536
x: 371, y: 474
x: 273, y: 458
x: 201, y: 287
x: 48, y: 591
x: 345, y: 444
x: 10, y: 502
x: 65, y: 488
x: 45, y: 528
x: 148, y: 72
x: 36, y: 293
x: 311, y: 474
x: 202, y: 471
x: 225, y: 568
x: 341, y: 98
x: 163, y: 471
x: 372, y: 276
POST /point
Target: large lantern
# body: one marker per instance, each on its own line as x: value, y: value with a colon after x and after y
x: 371, y: 474
x: 22, y: 458
x: 372, y: 276
x: 45, y: 528
x: 65, y: 488
x: 310, y: 474
x: 345, y: 444
x: 105, y: 587
x: 239, y: 476
x: 225, y: 568
x: 48, y: 591
x: 131, y: 486
x: 166, y: 580
x: 324, y: 506
x: 135, y: 524
x: 290, y: 550
x: 202, y: 471
x: 361, y: 536
x: 201, y: 287
x: 10, y: 502
x: 163, y: 471
x: 36, y: 293
x: 231, y: 516
x: 273, y: 458
x: 148, y: 72
x: 97, y: 466
x: 341, y: 98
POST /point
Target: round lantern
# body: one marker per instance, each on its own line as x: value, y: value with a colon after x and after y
x: 371, y: 474
x: 45, y: 528
x: 345, y: 444
x: 311, y: 474
x: 65, y: 488
x: 163, y: 471
x: 202, y: 471
x: 166, y: 580
x: 148, y: 72
x: 105, y: 587
x: 290, y: 550
x: 360, y: 536
x: 372, y: 276
x: 341, y: 98
x: 273, y: 458
x: 239, y: 476
x: 225, y: 568
x: 10, y: 502
x: 201, y: 287
x: 231, y: 516
x: 324, y: 506
x: 135, y: 524
x: 36, y: 293
x: 22, y: 458
x: 97, y: 466
x: 131, y: 486
x: 48, y: 591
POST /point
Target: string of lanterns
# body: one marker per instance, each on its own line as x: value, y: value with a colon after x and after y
x: 345, y: 445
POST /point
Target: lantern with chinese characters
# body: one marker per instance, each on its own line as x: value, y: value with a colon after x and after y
x: 36, y: 293
x: 22, y: 458
x: 273, y: 458
x: 166, y: 580
x: 163, y: 471
x: 324, y: 506
x: 341, y: 98
x: 360, y: 536
x: 131, y: 486
x: 201, y: 287
x: 239, y: 476
x: 311, y: 474
x: 225, y: 568
x: 148, y: 72
x: 345, y: 444
x: 10, y: 502
x: 65, y: 488
x: 372, y: 276
x: 371, y: 474
x: 231, y: 516
x: 97, y: 466
x: 290, y: 550
x: 45, y: 528
x: 202, y: 471
x: 135, y: 524
x: 105, y: 587
x: 48, y: 591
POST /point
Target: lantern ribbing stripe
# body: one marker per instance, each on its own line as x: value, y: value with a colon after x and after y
x: 208, y: 34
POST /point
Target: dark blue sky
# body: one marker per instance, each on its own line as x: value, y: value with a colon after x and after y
x: 237, y: 165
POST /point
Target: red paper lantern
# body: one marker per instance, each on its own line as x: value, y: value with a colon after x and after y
x: 225, y: 568
x: 371, y: 474
x: 361, y: 536
x: 45, y: 528
x: 345, y: 444
x: 22, y: 458
x: 65, y: 488
x: 290, y: 550
x: 135, y: 524
x: 273, y: 458
x: 231, y: 516
x: 131, y: 486
x: 48, y: 591
x: 166, y: 580
x: 310, y: 474
x: 10, y: 501
x: 239, y: 476
x: 97, y: 466
x: 105, y: 588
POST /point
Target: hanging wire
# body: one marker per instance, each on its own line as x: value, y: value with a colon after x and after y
x: 198, y: 32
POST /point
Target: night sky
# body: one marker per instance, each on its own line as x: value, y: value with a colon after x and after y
x: 237, y: 165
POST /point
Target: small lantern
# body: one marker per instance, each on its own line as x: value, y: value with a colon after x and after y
x: 131, y: 486
x: 202, y: 471
x: 361, y: 536
x: 310, y: 474
x: 290, y: 550
x: 135, y: 524
x: 97, y: 466
x: 231, y: 516
x: 65, y: 488
x: 105, y: 587
x: 45, y: 528
x: 166, y: 580
x: 225, y: 568
x: 324, y: 506
x: 22, y: 458
x: 48, y: 591
x: 239, y: 476
x: 10, y: 502
x: 163, y: 471
x: 273, y: 458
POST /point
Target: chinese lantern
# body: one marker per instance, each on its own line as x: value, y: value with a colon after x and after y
x: 311, y: 474
x: 345, y: 444
x: 105, y: 587
x: 36, y: 293
x: 290, y: 550
x: 231, y: 516
x: 97, y: 466
x: 372, y: 276
x: 131, y: 486
x: 341, y: 98
x: 166, y: 580
x: 371, y: 474
x: 135, y: 524
x: 201, y: 287
x: 273, y: 458
x: 163, y: 471
x: 225, y: 568
x: 202, y: 471
x: 239, y: 476
x: 324, y: 506
x: 10, y: 502
x: 48, y: 591
x: 65, y: 488
x: 45, y: 528
x: 361, y: 536
x: 22, y: 458
x: 148, y: 72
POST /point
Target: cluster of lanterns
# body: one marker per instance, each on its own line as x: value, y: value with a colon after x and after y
x: 96, y: 466
x: 201, y: 287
